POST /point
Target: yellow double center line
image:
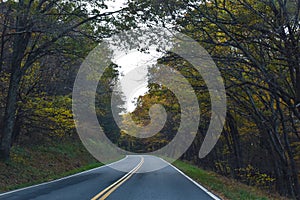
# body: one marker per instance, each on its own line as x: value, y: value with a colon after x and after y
x: 110, y: 189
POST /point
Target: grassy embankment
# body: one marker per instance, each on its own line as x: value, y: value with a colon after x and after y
x: 33, y: 164
x: 224, y: 187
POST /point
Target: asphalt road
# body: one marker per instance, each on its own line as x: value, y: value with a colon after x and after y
x: 107, y: 183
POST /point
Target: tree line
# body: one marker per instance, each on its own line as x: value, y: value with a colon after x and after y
x: 42, y: 45
x: 255, y: 45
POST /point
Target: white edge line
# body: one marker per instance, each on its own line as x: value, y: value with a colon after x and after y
x: 197, y: 184
x: 64, y: 178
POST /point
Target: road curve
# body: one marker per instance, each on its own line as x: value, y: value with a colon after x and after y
x: 105, y: 182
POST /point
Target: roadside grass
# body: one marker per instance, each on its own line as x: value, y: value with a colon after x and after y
x: 32, y: 165
x: 224, y: 187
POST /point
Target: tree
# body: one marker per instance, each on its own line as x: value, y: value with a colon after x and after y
x: 256, y: 47
x: 260, y: 41
x: 103, y: 104
x: 34, y: 30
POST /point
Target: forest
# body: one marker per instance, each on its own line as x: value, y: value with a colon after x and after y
x: 255, y: 45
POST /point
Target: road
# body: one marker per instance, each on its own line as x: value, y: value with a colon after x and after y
x: 136, y: 183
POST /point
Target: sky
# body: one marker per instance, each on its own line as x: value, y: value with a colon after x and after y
x: 134, y: 66
x: 134, y: 71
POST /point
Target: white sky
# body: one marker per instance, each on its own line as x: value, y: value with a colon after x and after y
x: 133, y: 68
x: 114, y: 5
x: 134, y: 72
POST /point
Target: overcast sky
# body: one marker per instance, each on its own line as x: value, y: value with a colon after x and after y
x: 133, y: 68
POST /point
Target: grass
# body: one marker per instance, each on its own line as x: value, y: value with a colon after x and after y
x: 224, y: 187
x: 32, y: 165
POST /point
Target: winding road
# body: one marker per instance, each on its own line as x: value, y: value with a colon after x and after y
x: 137, y: 182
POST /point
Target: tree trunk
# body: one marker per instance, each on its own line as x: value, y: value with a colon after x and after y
x: 9, y: 118
x: 297, y: 89
x: 20, y: 44
x: 17, y: 129
x: 237, y: 150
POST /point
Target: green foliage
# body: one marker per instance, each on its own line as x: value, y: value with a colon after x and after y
x: 103, y: 104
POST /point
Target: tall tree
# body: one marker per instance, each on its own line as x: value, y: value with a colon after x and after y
x: 34, y: 29
x: 256, y: 46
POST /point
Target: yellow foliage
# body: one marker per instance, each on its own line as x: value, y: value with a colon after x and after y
x: 253, y: 176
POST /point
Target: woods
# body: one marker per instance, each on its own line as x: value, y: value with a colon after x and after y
x: 255, y: 45
x: 42, y: 39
